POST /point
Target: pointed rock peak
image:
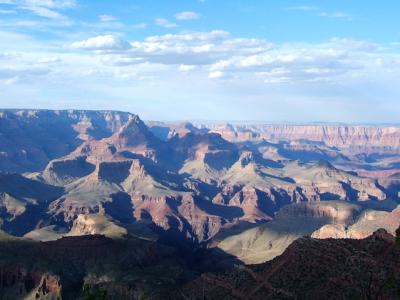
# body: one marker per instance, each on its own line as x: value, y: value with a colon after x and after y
x: 136, y: 165
x: 322, y: 163
x: 382, y: 234
x: 133, y: 133
x: 246, y: 158
x: 247, y: 154
x: 189, y: 126
x: 229, y: 126
x: 137, y: 168
x: 396, y: 210
x: 183, y: 129
x: 134, y: 122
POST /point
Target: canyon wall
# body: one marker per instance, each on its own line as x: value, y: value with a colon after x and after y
x: 342, y: 136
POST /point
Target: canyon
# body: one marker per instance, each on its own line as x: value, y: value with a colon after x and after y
x: 224, y: 194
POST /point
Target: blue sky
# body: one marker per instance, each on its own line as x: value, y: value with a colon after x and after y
x: 271, y: 60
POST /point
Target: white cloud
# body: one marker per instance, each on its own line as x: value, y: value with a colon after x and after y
x: 43, y: 8
x: 322, y: 13
x: 45, y: 12
x: 351, y: 44
x: 122, y: 60
x: 220, y: 55
x: 215, y: 74
x: 190, y: 37
x: 107, y: 18
x: 56, y: 4
x: 337, y: 15
x: 12, y: 75
x: 193, y: 48
x: 9, y: 81
x: 7, y: 55
x: 302, y: 63
x: 186, y: 68
x: 43, y: 25
x: 102, y: 42
x: 164, y: 23
x: 187, y: 15
x: 207, y: 65
x: 49, y: 60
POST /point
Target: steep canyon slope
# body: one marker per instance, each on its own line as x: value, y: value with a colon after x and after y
x: 67, y: 173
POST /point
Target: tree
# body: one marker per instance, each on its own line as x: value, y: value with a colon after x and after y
x: 398, y: 236
x: 97, y: 294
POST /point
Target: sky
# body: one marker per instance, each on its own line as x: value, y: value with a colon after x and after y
x: 261, y: 60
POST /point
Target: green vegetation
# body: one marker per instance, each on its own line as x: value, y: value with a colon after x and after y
x: 392, y: 284
x: 93, y: 294
x: 145, y: 296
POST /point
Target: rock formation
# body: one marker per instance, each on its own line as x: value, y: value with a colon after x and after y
x: 107, y: 172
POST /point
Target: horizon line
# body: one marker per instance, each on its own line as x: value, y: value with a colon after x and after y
x: 218, y: 121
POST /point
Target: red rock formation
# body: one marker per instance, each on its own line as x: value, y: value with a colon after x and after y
x: 340, y: 136
x: 17, y: 282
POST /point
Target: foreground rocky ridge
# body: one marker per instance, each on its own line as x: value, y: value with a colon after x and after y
x: 72, y: 268
x: 127, y: 269
x: 312, y: 269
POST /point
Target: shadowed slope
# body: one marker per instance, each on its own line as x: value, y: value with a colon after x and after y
x: 312, y: 269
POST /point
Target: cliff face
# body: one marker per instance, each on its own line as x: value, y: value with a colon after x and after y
x: 352, y: 137
x: 29, y: 139
x: 21, y: 283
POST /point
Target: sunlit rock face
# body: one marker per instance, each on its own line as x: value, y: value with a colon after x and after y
x: 240, y: 188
